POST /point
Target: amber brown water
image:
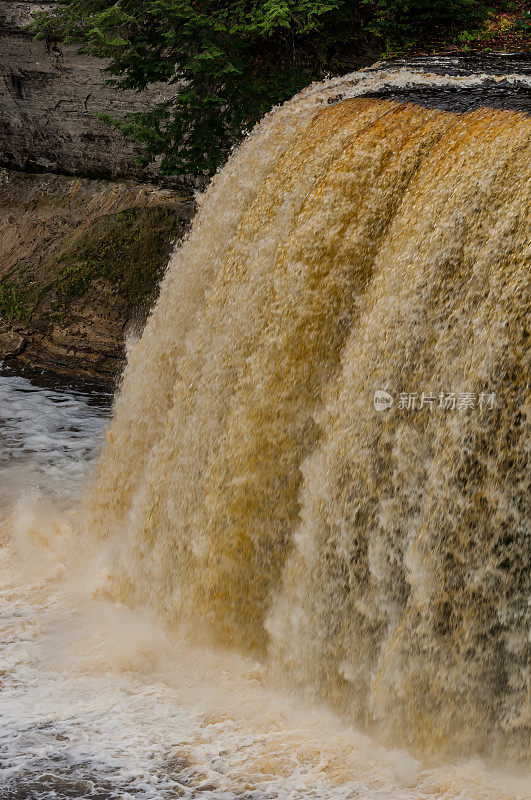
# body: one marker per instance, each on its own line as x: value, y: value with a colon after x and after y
x: 252, y: 494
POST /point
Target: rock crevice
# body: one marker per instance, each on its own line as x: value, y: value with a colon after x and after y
x: 51, y: 99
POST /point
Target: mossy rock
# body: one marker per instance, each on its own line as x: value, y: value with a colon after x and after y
x: 129, y: 249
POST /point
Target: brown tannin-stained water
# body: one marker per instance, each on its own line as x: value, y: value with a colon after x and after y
x: 307, y: 537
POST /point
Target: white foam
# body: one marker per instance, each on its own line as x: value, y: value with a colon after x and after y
x: 96, y: 694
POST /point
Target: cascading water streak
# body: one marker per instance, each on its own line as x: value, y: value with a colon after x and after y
x: 253, y: 495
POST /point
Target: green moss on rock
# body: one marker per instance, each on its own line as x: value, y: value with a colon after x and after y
x: 130, y: 248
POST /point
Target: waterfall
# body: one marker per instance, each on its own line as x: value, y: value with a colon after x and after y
x: 318, y: 453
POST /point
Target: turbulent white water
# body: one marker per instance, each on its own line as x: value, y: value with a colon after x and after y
x: 325, y: 575
x: 97, y: 702
x: 48, y: 438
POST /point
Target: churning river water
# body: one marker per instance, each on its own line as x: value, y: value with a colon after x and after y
x: 98, y: 702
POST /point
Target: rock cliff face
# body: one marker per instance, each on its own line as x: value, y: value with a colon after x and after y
x: 50, y: 98
x: 85, y: 232
x: 80, y: 262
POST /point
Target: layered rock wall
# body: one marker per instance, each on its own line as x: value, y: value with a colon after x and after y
x: 80, y: 261
x: 85, y: 231
x: 50, y: 99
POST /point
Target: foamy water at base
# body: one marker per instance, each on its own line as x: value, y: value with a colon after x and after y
x: 99, y: 702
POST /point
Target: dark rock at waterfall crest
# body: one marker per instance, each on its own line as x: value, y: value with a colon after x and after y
x: 505, y: 83
x: 490, y: 94
x: 461, y: 101
x: 473, y: 64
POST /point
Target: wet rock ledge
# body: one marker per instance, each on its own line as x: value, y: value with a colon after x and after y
x: 85, y: 231
x: 81, y: 262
